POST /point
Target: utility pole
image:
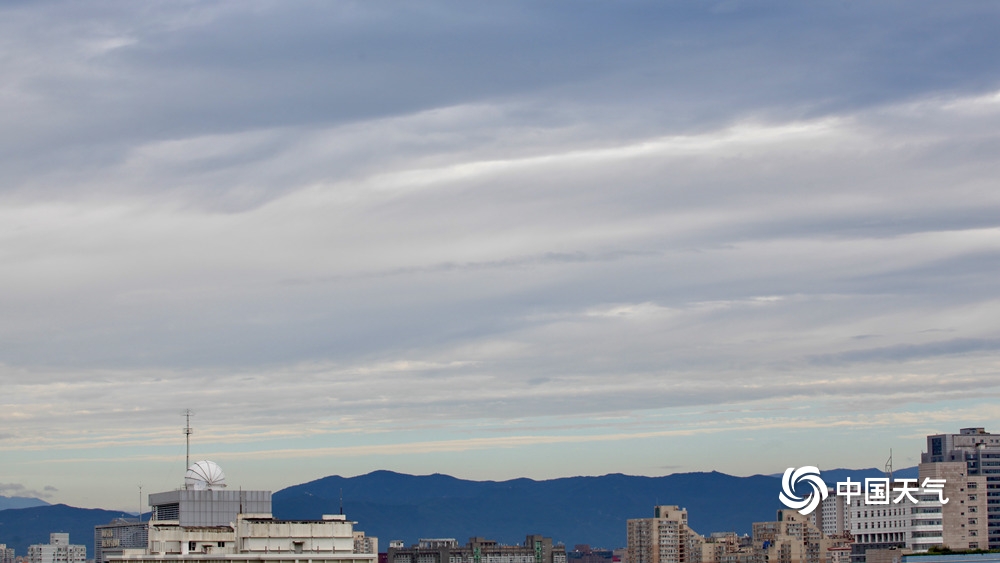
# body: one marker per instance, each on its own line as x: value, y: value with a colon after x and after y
x: 187, y: 437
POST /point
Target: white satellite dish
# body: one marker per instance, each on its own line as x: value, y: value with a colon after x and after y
x: 205, y: 475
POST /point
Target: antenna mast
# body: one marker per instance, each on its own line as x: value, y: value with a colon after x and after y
x: 888, y: 467
x: 140, y: 503
x: 187, y: 437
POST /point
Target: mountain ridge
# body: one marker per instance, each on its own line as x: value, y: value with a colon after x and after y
x: 391, y: 505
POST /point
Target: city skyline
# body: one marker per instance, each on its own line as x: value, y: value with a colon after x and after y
x: 494, y: 241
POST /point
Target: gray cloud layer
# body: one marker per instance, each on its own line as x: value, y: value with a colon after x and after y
x: 364, y: 213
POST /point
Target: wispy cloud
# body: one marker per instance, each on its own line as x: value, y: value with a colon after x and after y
x: 19, y: 490
x: 905, y: 352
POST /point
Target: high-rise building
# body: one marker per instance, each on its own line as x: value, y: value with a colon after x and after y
x: 665, y: 538
x: 58, y: 550
x: 969, y: 463
x: 6, y: 553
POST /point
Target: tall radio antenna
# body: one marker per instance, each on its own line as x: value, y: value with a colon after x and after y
x: 187, y: 437
x: 888, y: 467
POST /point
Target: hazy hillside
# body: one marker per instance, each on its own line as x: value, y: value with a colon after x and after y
x: 20, y: 502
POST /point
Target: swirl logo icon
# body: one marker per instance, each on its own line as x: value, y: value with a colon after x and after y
x: 791, y: 478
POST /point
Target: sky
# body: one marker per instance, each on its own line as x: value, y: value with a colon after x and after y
x: 491, y: 239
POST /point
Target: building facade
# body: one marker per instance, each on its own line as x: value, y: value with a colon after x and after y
x: 536, y: 549
x: 6, y: 553
x: 120, y: 534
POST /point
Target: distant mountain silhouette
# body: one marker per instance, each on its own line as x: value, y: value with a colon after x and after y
x: 408, y: 507
x: 20, y: 502
x: 21, y: 527
x: 831, y: 476
x: 572, y: 510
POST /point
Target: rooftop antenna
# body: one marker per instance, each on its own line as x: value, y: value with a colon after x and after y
x: 888, y: 466
x: 140, y: 503
x: 341, y: 500
x: 187, y: 437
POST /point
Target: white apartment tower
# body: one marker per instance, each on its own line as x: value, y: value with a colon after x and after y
x: 58, y: 550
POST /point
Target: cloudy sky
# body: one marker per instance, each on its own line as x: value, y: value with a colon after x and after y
x: 491, y: 239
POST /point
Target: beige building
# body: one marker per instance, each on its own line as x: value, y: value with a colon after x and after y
x: 6, y: 553
x: 365, y: 544
x: 970, y: 464
x: 665, y: 538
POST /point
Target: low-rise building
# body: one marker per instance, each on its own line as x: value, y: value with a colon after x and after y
x: 205, y: 523
x: 906, y: 525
